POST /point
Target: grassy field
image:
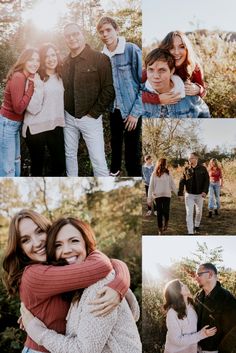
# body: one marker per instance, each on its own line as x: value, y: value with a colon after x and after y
x: 224, y: 224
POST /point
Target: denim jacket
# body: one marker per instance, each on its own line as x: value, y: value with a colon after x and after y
x: 187, y: 107
x: 127, y: 74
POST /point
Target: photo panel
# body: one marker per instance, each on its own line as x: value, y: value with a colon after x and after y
x: 189, y: 176
x: 189, y: 59
x: 47, y: 221
x: 186, y: 286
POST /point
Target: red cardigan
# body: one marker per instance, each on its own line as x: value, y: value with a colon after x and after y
x: 153, y: 98
x: 41, y: 288
x: 16, y: 97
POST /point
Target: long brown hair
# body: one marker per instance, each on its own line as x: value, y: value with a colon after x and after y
x: 15, y: 260
x: 20, y: 63
x: 174, y: 299
x: 161, y: 167
x: 192, y: 61
x: 43, y: 53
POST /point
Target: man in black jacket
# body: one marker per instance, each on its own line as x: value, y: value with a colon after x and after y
x: 215, y: 306
x: 87, y: 79
x: 195, y: 180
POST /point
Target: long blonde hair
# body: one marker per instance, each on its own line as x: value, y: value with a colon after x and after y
x: 20, y: 62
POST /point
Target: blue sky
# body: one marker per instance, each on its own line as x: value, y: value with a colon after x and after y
x: 163, y: 16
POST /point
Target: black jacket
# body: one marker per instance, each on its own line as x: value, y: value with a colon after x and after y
x: 93, y: 84
x: 217, y: 309
x: 201, y: 180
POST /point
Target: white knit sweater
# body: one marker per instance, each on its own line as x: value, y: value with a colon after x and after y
x: 182, y: 335
x: 161, y: 186
x: 85, y: 333
x: 46, y: 108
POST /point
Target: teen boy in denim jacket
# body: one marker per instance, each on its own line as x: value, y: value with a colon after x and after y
x: 126, y: 61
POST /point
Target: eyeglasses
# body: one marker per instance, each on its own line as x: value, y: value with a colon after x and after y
x: 199, y: 274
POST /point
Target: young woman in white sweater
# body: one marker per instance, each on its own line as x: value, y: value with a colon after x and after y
x: 115, y: 332
x: 44, y: 117
x: 160, y: 188
x: 181, y: 320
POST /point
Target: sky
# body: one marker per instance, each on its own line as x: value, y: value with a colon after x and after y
x: 160, y: 250
x: 220, y: 132
x: 163, y: 16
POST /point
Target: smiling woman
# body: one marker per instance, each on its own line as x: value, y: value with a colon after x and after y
x: 45, y: 15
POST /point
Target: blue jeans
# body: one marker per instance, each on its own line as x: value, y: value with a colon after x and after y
x: 214, y: 196
x: 9, y: 147
x: 29, y: 350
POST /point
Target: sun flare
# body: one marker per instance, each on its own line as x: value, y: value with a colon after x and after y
x: 46, y: 13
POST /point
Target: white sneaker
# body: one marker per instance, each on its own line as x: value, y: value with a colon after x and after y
x: 115, y: 174
x: 149, y: 212
x: 155, y: 213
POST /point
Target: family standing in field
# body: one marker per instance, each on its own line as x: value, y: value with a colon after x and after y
x: 195, y: 183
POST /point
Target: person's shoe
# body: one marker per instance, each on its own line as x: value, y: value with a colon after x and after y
x: 165, y: 226
x: 216, y: 212
x: 115, y: 174
x: 196, y: 230
x: 149, y: 212
x: 210, y: 214
x: 160, y: 231
x: 155, y: 213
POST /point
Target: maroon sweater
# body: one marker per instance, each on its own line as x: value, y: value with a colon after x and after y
x: 16, y: 96
x: 153, y: 98
x: 41, y: 288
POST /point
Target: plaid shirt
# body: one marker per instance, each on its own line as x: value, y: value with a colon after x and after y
x: 93, y: 85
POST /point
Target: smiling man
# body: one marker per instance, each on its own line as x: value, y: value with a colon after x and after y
x: 160, y: 68
x: 126, y: 112
x: 87, y: 79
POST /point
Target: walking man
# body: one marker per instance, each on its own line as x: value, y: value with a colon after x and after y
x: 195, y: 180
x: 125, y: 117
x: 89, y: 90
x: 215, y: 306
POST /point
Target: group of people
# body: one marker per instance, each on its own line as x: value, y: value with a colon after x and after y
x: 173, y: 84
x: 54, y: 103
x: 74, y: 298
x: 194, y: 185
x: 205, y: 324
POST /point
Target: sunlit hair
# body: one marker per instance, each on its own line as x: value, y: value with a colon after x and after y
x: 213, y: 164
x: 192, y: 61
x: 72, y: 24
x: 107, y: 20
x: 43, y: 53
x: 174, y: 299
x: 84, y: 228
x: 159, y: 54
x: 14, y: 259
x: 161, y: 167
x: 21, y: 61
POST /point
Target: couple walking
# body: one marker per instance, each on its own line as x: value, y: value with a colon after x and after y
x: 196, y: 181
x: 206, y: 324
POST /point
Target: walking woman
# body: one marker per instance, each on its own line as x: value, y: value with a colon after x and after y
x: 181, y: 320
x: 85, y: 332
x: 160, y: 188
x: 187, y: 67
x: 40, y: 286
x: 17, y: 95
x: 216, y: 183
x: 44, y: 117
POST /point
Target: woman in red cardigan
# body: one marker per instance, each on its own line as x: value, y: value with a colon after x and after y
x: 40, y: 286
x: 18, y: 92
x: 187, y: 67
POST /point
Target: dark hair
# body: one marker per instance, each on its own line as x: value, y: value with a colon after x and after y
x: 107, y: 20
x: 174, y: 299
x: 161, y: 167
x: 20, y: 63
x: 43, y: 53
x: 160, y: 55
x: 209, y: 266
x: 15, y: 260
x: 84, y: 228
x: 195, y: 154
x: 147, y: 157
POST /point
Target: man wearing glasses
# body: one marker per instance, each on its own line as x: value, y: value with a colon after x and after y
x: 195, y: 180
x: 89, y: 90
x: 215, y: 306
